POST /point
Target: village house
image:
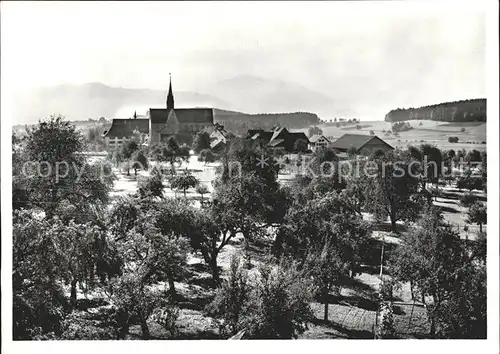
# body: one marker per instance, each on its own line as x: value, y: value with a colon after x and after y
x: 160, y: 123
x: 278, y: 138
x: 364, y: 144
x: 318, y: 142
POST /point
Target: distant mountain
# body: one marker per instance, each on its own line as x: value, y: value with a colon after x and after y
x: 244, y: 93
x: 254, y: 94
x: 458, y: 111
x: 94, y: 100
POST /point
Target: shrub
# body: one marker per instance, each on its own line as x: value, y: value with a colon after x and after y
x: 274, y: 305
x: 231, y: 299
x: 358, y: 127
x: 372, y: 132
x: 453, y: 139
x: 401, y: 127
x: 462, y: 130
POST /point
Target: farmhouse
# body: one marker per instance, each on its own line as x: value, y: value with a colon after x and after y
x: 318, y: 142
x: 364, y: 144
x: 160, y: 123
x: 218, y: 137
x: 277, y: 138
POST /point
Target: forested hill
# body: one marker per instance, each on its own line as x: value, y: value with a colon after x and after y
x: 239, y: 123
x: 458, y: 111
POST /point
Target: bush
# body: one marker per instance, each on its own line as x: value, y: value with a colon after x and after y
x: 273, y: 306
x: 401, y: 127
x: 453, y: 139
x: 372, y: 132
x: 358, y: 127
x: 462, y: 130
x: 231, y: 299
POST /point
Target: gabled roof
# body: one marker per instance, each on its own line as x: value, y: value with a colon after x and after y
x: 277, y: 132
x: 262, y: 135
x: 299, y: 135
x: 123, y: 127
x: 184, y: 115
x: 276, y: 142
x: 347, y: 141
x: 316, y: 137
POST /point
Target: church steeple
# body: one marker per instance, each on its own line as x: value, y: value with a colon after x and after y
x: 170, y: 96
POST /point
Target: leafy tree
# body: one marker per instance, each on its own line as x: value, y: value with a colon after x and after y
x: 477, y: 214
x: 183, y: 182
x: 352, y: 152
x: 327, y: 269
x: 152, y: 185
x: 230, y: 303
x: 372, y: 132
x: 393, y: 191
x: 280, y: 303
x: 59, y: 172
x: 201, y: 189
x: 207, y: 156
x: 314, y: 131
x: 430, y: 258
x: 453, y: 139
x: 300, y: 145
x: 139, y: 161
x: 39, y: 304
x: 201, y: 141
x: 170, y: 152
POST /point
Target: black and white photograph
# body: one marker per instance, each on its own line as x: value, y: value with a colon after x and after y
x: 180, y: 171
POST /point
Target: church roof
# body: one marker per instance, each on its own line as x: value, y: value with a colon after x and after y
x: 184, y: 115
x: 124, y: 127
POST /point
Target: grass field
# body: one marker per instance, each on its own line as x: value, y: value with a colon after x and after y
x: 424, y: 131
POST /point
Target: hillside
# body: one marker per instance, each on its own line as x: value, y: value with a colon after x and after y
x: 94, y: 100
x: 458, y: 111
x: 255, y: 94
x: 242, y: 93
x: 238, y: 123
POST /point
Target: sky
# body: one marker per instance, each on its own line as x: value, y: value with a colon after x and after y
x: 420, y: 53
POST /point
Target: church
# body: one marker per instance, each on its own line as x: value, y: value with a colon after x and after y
x: 161, y: 123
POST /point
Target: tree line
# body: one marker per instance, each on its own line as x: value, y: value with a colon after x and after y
x: 457, y: 111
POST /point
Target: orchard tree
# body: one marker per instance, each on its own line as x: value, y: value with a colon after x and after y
x: 201, y: 189
x: 183, y: 182
x: 393, y: 191
x: 201, y: 141
x: 139, y: 161
x: 477, y: 214
x: 206, y: 156
x: 327, y: 269
x: 151, y: 185
x: 314, y: 131
x: 430, y: 257
x: 55, y: 171
x: 300, y: 145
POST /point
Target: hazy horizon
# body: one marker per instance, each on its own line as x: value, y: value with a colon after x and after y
x: 365, y: 57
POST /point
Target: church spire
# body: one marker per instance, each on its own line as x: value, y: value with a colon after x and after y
x: 170, y: 96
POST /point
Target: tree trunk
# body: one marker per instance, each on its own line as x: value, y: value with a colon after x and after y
x: 135, y: 172
x: 171, y: 285
x: 325, y: 299
x: 144, y: 328
x: 480, y: 227
x: 73, y: 294
x: 393, y: 224
x: 215, y: 271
